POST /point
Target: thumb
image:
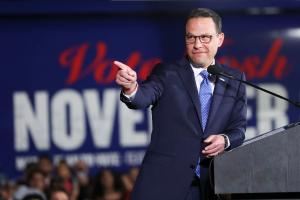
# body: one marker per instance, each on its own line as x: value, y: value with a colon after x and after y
x: 131, y: 72
x: 209, y: 139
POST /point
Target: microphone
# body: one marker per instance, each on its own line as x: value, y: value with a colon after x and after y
x: 216, y: 70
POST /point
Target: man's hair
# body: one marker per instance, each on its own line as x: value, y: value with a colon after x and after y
x: 205, y: 12
x: 32, y: 172
x: 33, y: 196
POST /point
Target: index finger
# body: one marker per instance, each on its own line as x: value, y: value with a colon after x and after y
x: 122, y: 66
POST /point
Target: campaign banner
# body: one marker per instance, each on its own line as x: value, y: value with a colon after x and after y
x: 58, y: 90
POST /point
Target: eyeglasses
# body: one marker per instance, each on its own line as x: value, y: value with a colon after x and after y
x: 205, y: 38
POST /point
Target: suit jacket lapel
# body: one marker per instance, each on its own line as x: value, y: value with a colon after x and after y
x: 220, y: 87
x: 187, y: 76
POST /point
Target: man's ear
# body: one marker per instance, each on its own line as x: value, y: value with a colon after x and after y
x: 221, y: 39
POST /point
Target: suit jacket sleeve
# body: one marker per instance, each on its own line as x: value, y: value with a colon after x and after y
x: 148, y: 92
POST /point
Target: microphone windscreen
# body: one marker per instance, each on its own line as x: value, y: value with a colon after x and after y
x: 214, y: 70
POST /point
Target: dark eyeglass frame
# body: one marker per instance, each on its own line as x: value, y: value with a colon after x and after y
x: 204, y: 38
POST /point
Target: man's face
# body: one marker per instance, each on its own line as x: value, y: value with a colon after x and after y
x: 202, y: 53
x: 37, y: 181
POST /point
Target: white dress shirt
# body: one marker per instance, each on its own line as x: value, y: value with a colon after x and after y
x: 199, y: 79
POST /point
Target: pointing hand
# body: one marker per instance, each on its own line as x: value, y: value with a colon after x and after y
x: 126, y: 78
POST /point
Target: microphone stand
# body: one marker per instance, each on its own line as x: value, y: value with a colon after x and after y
x: 297, y: 104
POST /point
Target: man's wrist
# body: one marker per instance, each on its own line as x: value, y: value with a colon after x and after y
x: 129, y: 91
x: 130, y: 96
x: 226, y: 140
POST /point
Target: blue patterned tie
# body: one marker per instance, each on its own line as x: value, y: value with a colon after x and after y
x: 205, y: 96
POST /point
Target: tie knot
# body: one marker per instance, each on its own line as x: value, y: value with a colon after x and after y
x: 204, y: 74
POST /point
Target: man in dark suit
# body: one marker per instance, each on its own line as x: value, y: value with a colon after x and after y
x: 195, y: 116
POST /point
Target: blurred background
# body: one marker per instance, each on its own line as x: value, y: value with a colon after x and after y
x: 60, y: 110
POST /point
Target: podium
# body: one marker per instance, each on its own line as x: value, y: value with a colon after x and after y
x: 264, y: 167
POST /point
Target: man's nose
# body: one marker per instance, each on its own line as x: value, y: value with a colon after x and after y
x: 197, y: 43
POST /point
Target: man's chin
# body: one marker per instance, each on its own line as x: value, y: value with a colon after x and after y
x: 198, y: 63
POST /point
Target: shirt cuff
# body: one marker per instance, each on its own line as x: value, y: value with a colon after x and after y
x: 132, y: 95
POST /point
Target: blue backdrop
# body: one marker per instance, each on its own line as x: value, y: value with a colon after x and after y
x: 58, y: 94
